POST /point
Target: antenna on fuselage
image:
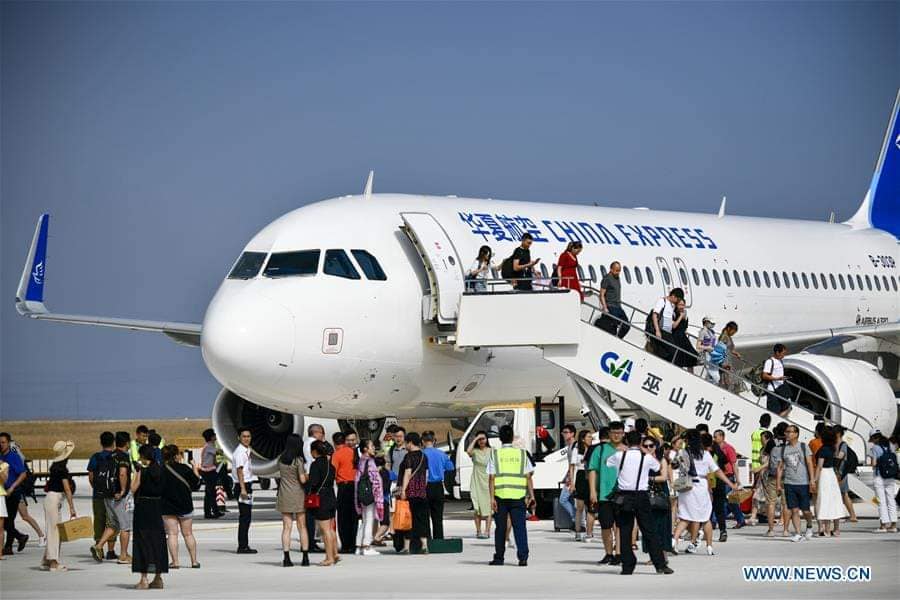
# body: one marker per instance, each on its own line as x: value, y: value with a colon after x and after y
x: 367, y: 192
x: 722, y: 207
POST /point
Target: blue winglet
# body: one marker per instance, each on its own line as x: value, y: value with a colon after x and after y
x: 37, y: 274
x: 885, y: 188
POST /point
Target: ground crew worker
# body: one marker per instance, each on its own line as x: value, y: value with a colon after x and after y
x: 509, y: 480
x: 756, y: 444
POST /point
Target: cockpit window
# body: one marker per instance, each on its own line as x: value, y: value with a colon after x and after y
x: 248, y: 265
x: 289, y: 264
x: 369, y: 265
x: 337, y: 263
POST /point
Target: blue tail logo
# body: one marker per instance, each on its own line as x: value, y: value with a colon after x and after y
x: 38, y: 274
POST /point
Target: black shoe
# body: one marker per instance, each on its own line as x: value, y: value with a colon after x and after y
x: 627, y: 572
x: 246, y: 551
x: 23, y: 539
x: 606, y: 559
x: 664, y: 571
x: 615, y: 560
x: 496, y: 563
x: 110, y: 555
x: 723, y: 536
x: 287, y: 562
x: 305, y: 561
x: 523, y: 563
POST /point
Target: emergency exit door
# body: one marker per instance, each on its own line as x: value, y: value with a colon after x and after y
x: 445, y: 274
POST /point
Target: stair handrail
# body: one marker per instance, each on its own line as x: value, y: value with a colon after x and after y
x: 751, y: 384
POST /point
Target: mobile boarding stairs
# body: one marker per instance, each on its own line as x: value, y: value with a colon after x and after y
x: 601, y: 364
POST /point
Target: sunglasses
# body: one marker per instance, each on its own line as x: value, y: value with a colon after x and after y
x: 650, y: 446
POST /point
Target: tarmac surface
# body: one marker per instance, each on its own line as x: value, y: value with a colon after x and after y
x: 558, y: 567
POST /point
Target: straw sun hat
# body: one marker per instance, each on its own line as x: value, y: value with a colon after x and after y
x: 62, y: 450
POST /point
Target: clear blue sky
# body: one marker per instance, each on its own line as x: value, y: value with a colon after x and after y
x: 161, y: 136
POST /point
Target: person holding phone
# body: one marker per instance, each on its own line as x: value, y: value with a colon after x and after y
x: 512, y: 491
x: 523, y: 266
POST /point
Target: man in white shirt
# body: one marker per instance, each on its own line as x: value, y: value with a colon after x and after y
x: 634, y: 465
x: 243, y: 490
x: 774, y: 377
x: 663, y: 315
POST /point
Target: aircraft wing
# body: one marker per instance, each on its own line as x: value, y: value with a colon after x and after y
x: 30, y: 298
x: 887, y: 331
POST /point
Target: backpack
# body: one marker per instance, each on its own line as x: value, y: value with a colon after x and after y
x: 106, y: 476
x: 364, y: 492
x: 887, y: 464
x: 718, y: 354
x: 850, y: 462
x: 506, y: 269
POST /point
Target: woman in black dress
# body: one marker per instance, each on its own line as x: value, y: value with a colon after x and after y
x: 686, y: 358
x: 321, y: 482
x: 149, y: 534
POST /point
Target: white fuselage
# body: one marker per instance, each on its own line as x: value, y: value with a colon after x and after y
x: 263, y: 337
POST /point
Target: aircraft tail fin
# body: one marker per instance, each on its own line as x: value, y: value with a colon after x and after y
x: 881, y: 207
x: 30, y: 294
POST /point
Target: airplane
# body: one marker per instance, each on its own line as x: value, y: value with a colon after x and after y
x: 345, y: 308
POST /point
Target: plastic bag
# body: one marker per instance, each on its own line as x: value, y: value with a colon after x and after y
x: 402, y: 520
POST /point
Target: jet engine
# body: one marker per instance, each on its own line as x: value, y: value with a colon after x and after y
x: 852, y: 387
x: 268, y: 427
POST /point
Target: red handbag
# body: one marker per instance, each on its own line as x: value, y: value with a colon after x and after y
x: 313, y: 499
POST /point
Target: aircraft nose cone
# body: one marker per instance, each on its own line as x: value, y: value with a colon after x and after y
x: 247, y: 340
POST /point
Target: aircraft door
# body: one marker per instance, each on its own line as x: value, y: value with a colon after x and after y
x: 681, y: 275
x: 445, y: 274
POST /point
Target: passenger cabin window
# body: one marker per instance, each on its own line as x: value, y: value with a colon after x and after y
x: 369, y: 265
x: 894, y: 282
x: 591, y: 270
x: 833, y: 281
x: 649, y: 273
x: 850, y: 282
x: 859, y: 282
x: 776, y: 279
x: 796, y: 280
x: 716, y: 278
x: 338, y: 264
x: 696, y: 276
x: 602, y: 271
x: 637, y: 275
x: 247, y: 265
x: 726, y: 277
x: 815, y: 281
x: 877, y: 283
x: 805, y: 281
x: 823, y: 280
x: 869, y: 283
x: 683, y: 274
x: 841, y: 279
x: 290, y: 264
x: 580, y: 272
x: 756, y: 279
x: 544, y: 273
x: 737, y: 278
x: 627, y: 273
x: 766, y: 279
x: 666, y: 278
x: 706, y: 277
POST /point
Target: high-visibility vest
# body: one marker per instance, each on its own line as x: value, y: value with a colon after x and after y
x: 510, y: 482
x: 755, y: 447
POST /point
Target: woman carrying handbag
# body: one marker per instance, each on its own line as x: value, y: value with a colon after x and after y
x: 321, y: 501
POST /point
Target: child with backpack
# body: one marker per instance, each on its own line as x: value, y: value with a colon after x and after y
x: 886, y: 472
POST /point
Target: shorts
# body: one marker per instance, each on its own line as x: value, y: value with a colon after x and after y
x: 119, y: 513
x: 606, y: 514
x: 845, y: 486
x: 183, y: 517
x: 797, y: 496
x: 3, y: 514
x: 770, y: 489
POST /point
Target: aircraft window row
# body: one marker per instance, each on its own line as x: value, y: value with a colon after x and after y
x: 306, y: 263
x: 726, y: 278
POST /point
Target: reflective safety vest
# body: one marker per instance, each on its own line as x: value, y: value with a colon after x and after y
x: 510, y: 481
x: 755, y: 447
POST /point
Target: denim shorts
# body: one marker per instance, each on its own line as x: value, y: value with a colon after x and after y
x: 797, y: 496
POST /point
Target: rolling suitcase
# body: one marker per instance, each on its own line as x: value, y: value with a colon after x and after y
x: 561, y: 519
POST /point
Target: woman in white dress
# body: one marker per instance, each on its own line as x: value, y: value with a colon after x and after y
x: 830, y: 507
x: 479, y: 271
x: 695, y: 504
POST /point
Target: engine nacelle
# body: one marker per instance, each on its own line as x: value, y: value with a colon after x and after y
x: 268, y: 427
x: 851, y: 384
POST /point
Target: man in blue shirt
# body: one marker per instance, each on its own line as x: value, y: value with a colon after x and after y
x: 14, y: 481
x: 438, y: 464
x: 98, y: 501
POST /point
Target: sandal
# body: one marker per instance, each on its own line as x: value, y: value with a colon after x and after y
x: 327, y: 563
x: 174, y: 566
x: 195, y: 566
x: 142, y: 586
x: 58, y: 568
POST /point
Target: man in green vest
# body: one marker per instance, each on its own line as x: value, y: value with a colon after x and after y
x: 141, y: 435
x: 509, y: 480
x: 756, y: 440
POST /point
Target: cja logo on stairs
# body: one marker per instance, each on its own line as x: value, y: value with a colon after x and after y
x: 619, y: 371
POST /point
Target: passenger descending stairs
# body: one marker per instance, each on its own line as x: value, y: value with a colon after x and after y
x: 625, y: 369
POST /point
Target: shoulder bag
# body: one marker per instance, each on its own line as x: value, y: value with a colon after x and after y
x: 685, y: 481
x: 314, y: 499
x: 364, y: 493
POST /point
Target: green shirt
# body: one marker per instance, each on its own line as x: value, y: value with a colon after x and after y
x: 606, y: 476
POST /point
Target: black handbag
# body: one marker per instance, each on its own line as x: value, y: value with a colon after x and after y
x: 620, y: 498
x: 364, y: 492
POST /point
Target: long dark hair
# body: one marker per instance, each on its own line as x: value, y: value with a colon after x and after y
x: 582, y: 444
x: 694, y: 443
x: 484, y: 254
x: 293, y: 448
